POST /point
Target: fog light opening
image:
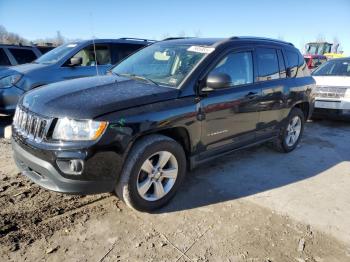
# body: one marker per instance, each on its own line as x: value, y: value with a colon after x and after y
x: 71, y: 166
x: 76, y: 166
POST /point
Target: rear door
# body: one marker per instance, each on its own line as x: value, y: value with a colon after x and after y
x: 231, y: 114
x: 271, y: 76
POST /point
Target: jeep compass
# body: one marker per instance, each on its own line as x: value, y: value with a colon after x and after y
x: 160, y: 112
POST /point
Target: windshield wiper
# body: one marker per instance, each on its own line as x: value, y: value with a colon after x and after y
x: 133, y: 76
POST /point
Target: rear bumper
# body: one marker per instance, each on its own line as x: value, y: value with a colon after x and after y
x: 8, y: 99
x: 46, y: 175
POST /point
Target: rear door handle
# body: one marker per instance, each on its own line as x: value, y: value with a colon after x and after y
x: 252, y: 95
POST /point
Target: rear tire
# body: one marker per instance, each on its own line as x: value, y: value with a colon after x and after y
x: 153, y: 172
x: 291, y: 133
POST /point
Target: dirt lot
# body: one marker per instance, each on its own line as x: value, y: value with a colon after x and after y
x: 254, y: 205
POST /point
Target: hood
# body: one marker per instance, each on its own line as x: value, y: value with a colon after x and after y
x: 22, y: 69
x: 87, y: 98
x: 332, y: 80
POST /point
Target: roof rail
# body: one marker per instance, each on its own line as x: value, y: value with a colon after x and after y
x: 137, y: 39
x: 259, y: 38
x: 175, y: 38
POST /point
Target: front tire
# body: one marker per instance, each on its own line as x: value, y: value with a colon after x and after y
x: 291, y: 133
x: 153, y: 172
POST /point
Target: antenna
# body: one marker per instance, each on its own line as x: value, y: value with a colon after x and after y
x: 93, y: 41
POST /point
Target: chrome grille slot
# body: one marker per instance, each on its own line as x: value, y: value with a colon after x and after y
x: 330, y: 92
x: 30, y: 125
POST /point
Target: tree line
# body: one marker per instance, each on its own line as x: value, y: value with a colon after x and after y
x: 11, y: 38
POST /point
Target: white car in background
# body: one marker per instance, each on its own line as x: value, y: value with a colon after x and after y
x: 333, y: 89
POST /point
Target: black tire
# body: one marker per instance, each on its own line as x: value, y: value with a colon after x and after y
x: 126, y: 188
x: 280, y: 143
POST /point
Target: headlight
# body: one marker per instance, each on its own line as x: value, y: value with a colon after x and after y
x: 78, y: 130
x: 9, y: 81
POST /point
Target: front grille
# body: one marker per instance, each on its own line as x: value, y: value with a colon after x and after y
x: 30, y: 125
x: 330, y: 92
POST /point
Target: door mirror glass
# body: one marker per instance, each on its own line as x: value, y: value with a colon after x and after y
x: 76, y: 61
x: 218, y: 80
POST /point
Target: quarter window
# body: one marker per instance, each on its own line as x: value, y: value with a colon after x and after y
x: 292, y: 62
x: 239, y: 66
x: 267, y: 64
x: 22, y: 56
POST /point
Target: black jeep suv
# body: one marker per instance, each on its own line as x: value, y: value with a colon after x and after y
x: 161, y: 111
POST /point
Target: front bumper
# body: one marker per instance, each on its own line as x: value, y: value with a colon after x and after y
x: 332, y: 108
x: 46, y: 175
x: 8, y: 99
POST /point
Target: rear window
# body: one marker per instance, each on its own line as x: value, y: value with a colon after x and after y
x: 4, y: 60
x: 267, y: 64
x: 22, y: 56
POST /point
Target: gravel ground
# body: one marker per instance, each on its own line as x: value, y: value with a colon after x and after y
x: 202, y: 223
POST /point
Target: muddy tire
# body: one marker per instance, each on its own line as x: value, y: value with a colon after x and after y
x: 291, y: 133
x: 153, y: 172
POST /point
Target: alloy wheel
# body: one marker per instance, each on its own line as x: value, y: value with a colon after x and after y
x: 157, y: 176
x: 293, y: 131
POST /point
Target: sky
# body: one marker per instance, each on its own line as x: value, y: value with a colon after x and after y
x: 297, y: 21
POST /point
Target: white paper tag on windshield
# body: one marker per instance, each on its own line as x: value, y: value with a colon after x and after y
x: 201, y: 49
x: 71, y: 45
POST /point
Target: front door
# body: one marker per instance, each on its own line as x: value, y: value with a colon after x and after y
x: 231, y: 115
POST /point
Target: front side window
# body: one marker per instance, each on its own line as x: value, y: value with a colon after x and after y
x: 163, y: 63
x: 103, y: 55
x: 239, y: 66
x: 268, y: 67
x: 22, y: 56
x: 56, y: 54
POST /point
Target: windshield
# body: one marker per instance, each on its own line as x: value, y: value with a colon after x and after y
x: 162, y: 64
x: 318, y: 48
x: 334, y: 68
x: 56, y: 54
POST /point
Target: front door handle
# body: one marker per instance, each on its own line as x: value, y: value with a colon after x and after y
x: 252, y: 95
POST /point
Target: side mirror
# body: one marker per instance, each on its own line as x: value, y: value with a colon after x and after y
x: 217, y: 81
x: 76, y: 61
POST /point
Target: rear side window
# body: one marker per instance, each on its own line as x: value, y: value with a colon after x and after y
x: 281, y: 64
x: 22, y: 56
x: 239, y: 66
x: 121, y: 51
x: 267, y: 64
x: 292, y: 62
x: 4, y: 60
